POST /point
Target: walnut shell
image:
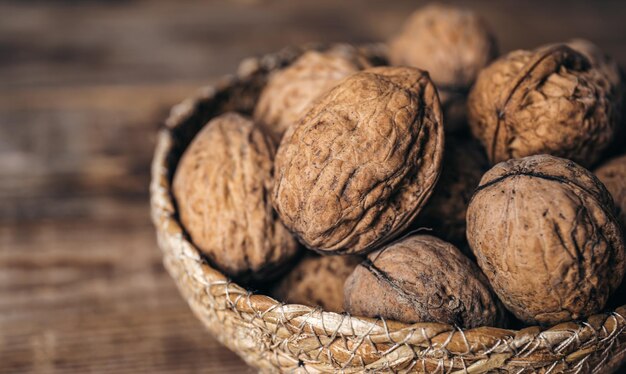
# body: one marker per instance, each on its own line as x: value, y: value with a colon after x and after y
x: 613, y: 175
x: 422, y: 279
x: 452, y: 44
x: 222, y: 186
x: 464, y: 163
x: 545, y: 101
x: 358, y: 167
x: 318, y: 281
x: 544, y: 232
x: 290, y: 91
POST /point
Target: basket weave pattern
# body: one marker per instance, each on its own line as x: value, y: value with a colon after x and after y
x: 294, y: 338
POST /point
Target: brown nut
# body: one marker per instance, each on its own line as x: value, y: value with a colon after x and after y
x: 359, y: 166
x: 464, y: 163
x: 453, y: 45
x: 222, y: 186
x: 543, y: 101
x: 613, y: 175
x: 290, y: 91
x: 318, y: 281
x: 422, y: 279
x: 544, y: 232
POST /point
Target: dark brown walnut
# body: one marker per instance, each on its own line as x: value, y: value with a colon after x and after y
x: 359, y: 166
x: 550, y: 100
x: 544, y: 232
x: 464, y: 163
x: 222, y: 186
x: 290, y: 91
x: 613, y: 175
x: 422, y: 279
x: 453, y: 45
x: 318, y: 281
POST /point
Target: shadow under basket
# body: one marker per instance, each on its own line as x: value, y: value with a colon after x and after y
x: 275, y: 337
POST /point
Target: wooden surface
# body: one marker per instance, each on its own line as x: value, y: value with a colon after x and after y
x: 83, y: 87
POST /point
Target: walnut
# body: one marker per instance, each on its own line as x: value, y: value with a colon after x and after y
x: 289, y: 92
x: 422, y: 279
x: 549, y: 100
x: 318, y: 281
x: 613, y: 175
x: 464, y: 163
x: 222, y: 186
x: 358, y: 167
x: 544, y: 232
x: 453, y: 45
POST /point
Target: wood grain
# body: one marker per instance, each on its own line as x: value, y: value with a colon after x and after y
x: 83, y: 87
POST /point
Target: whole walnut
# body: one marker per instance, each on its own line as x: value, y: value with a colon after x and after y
x: 318, y: 281
x: 358, y: 167
x: 290, y: 91
x: 453, y: 45
x: 422, y: 279
x: 613, y: 175
x: 544, y: 232
x: 550, y: 100
x: 464, y: 163
x: 222, y: 186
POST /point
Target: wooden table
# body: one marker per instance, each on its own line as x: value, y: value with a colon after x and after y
x: 83, y: 88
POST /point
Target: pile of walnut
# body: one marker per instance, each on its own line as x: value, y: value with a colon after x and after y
x: 348, y: 160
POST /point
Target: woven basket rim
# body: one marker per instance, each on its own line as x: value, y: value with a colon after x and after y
x: 490, y: 341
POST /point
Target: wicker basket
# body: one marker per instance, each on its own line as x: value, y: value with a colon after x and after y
x: 294, y: 338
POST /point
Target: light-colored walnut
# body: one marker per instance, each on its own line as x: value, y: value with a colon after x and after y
x: 359, y: 166
x: 318, y: 281
x: 289, y: 92
x: 551, y: 100
x: 222, y: 186
x: 544, y: 232
x: 422, y: 279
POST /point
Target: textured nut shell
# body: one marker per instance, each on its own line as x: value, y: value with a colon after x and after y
x: 464, y: 163
x: 604, y: 63
x: 612, y: 79
x: 355, y: 171
x: 544, y: 233
x: 613, y: 175
x: 289, y: 92
x: 222, y: 187
x: 452, y: 44
x: 543, y: 101
x: 422, y: 279
x: 318, y: 281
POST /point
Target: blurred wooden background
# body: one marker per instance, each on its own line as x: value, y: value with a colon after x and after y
x: 83, y: 87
